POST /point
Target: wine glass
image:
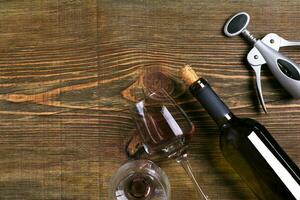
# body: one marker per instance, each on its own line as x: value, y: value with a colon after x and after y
x: 140, y: 180
x: 165, y: 129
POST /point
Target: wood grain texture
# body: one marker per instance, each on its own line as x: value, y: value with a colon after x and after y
x: 64, y: 64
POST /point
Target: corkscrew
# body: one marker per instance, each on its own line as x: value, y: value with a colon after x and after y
x: 266, y: 51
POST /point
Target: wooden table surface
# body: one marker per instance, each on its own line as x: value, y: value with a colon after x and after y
x: 64, y: 120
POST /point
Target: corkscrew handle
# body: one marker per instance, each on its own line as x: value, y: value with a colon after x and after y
x: 286, y: 71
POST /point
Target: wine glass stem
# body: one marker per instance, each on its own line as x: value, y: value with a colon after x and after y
x: 187, y: 167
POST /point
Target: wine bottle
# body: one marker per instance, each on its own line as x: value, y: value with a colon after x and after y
x: 248, y: 146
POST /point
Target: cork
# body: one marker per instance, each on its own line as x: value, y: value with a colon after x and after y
x: 188, y: 75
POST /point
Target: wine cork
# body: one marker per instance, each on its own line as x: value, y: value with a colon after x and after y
x: 188, y: 75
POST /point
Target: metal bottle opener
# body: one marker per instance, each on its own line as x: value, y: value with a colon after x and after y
x: 265, y: 51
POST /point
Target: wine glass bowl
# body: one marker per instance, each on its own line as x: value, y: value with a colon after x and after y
x: 163, y: 126
x: 140, y: 180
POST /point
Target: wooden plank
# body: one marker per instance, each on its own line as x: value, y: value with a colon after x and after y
x: 48, y: 100
x: 64, y: 64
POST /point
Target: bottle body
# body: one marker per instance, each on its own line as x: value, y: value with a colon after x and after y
x: 259, y: 160
x: 251, y: 150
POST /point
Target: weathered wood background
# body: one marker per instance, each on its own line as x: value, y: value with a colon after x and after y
x: 64, y: 64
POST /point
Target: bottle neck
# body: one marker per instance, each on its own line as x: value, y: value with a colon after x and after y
x: 225, y: 120
x: 215, y: 107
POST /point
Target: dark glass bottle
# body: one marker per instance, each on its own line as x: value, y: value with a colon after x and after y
x: 251, y: 150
